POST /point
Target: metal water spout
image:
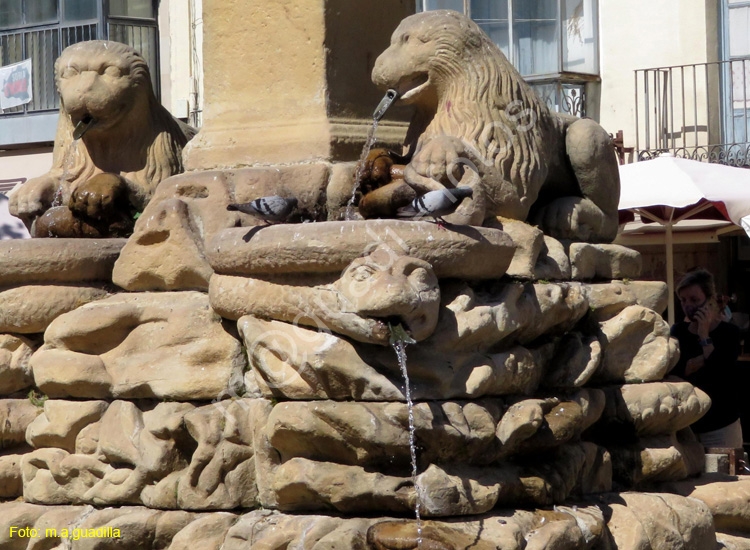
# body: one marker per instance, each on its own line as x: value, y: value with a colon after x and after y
x: 83, y: 126
x: 388, y: 99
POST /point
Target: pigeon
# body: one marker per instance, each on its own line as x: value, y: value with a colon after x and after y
x: 269, y: 209
x: 435, y: 204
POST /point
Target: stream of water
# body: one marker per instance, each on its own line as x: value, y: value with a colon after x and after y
x: 361, y: 167
x: 399, y: 347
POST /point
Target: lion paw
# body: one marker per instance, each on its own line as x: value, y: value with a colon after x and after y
x: 99, y: 197
x: 33, y: 198
x: 443, y: 159
x: 575, y: 218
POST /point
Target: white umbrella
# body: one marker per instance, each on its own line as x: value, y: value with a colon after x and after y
x: 668, y: 190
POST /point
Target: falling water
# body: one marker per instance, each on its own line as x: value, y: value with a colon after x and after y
x: 67, y: 164
x: 399, y: 346
x: 361, y: 167
x: 385, y: 103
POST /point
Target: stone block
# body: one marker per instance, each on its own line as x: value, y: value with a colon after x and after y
x: 15, y: 371
x: 329, y: 247
x: 30, y: 261
x: 168, y: 345
x: 636, y: 347
x: 30, y: 309
x: 603, y: 261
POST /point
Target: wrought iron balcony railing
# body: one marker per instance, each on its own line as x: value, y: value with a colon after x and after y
x: 697, y: 111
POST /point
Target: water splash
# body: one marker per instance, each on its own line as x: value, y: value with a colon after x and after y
x: 361, y: 168
x: 385, y: 103
x: 399, y: 343
x: 68, y: 159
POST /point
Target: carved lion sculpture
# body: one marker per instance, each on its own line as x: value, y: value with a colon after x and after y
x: 110, y: 123
x: 478, y: 123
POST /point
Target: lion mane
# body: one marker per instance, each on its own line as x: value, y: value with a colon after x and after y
x: 484, y: 101
x: 151, y: 139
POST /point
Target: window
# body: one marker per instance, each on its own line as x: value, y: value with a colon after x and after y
x: 737, y: 75
x: 552, y: 43
x: 41, y: 29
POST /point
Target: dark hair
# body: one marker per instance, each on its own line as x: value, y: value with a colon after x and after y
x: 700, y: 278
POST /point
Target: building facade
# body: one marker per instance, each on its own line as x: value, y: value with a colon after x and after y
x: 167, y: 33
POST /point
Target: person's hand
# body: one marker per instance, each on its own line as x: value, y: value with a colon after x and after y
x: 693, y: 365
x: 703, y: 318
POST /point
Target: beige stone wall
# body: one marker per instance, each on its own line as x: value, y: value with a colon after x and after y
x: 644, y: 34
x: 289, y: 82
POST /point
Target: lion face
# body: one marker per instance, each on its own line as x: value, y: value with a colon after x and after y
x: 101, y: 82
x: 414, y: 63
x: 385, y: 286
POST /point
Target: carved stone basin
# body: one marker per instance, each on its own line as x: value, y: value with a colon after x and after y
x: 329, y: 247
x: 59, y: 260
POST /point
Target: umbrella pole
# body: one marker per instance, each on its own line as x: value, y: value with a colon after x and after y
x: 670, y: 272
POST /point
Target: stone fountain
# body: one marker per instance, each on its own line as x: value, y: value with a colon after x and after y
x: 212, y: 382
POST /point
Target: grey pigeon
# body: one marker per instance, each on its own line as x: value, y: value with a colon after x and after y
x: 270, y: 209
x: 435, y: 204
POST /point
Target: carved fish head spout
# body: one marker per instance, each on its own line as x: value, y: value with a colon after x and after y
x: 394, y: 288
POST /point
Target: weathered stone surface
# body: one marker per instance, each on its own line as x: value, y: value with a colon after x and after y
x: 29, y: 261
x: 222, y: 470
x: 377, y: 434
x: 528, y: 241
x: 15, y: 417
x: 169, y: 455
x: 656, y: 407
x: 577, y: 357
x: 15, y: 372
x: 553, y: 263
x: 293, y: 362
x: 603, y: 261
x: 31, y: 308
x: 728, y: 499
x: 166, y: 345
x: 140, y: 528
x: 636, y: 347
x: 20, y: 515
x: 731, y: 542
x: 537, y: 256
x: 11, y: 482
x: 562, y: 419
x: 374, y: 291
x: 608, y: 299
x: 657, y: 458
x: 564, y: 528
x: 164, y: 252
x: 206, y: 533
x: 506, y: 314
x: 61, y: 423
x: 329, y: 247
x: 302, y: 484
x: 658, y: 521
x: 572, y: 528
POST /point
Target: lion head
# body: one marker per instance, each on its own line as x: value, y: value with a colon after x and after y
x: 387, y: 286
x: 105, y: 88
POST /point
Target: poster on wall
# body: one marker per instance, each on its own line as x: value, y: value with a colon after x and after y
x: 15, y: 84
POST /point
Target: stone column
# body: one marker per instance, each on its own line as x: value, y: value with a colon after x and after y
x: 288, y: 81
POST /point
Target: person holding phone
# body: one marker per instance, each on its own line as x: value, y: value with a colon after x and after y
x: 709, y: 348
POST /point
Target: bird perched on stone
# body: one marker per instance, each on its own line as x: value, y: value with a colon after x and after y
x: 269, y: 209
x: 435, y: 204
